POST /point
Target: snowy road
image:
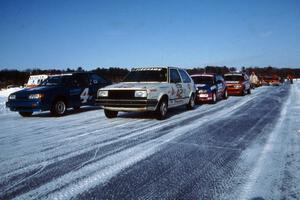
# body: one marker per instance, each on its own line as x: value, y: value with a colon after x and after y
x: 241, y: 148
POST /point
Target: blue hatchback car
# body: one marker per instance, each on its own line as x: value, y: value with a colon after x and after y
x: 57, y: 93
x: 210, y: 87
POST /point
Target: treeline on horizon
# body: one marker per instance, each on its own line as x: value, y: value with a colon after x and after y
x: 116, y: 74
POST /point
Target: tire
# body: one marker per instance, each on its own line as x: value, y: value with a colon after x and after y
x: 191, y: 103
x: 110, y: 114
x: 162, y: 109
x: 243, y: 93
x: 214, y: 98
x: 225, y: 95
x: 59, y: 108
x: 25, y: 114
x: 249, y: 91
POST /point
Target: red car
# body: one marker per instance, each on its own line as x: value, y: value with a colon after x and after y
x: 272, y: 80
x: 237, y: 83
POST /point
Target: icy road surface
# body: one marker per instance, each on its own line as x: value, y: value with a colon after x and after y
x: 241, y: 148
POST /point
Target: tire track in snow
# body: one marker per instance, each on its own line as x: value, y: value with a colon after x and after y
x: 266, y: 179
x: 174, y: 121
x: 116, y: 134
x: 169, y: 186
x: 147, y: 131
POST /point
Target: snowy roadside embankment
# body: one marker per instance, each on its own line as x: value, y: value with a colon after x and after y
x: 3, y: 97
x: 2, y: 104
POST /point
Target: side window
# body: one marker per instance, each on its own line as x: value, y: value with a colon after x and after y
x: 95, y: 79
x: 219, y: 79
x: 69, y: 81
x: 82, y: 80
x: 174, y: 76
x: 184, y: 76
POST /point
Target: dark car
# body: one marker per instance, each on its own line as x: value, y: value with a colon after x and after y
x: 57, y: 93
x: 237, y: 83
x: 210, y: 87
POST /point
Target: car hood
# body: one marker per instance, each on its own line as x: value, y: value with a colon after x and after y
x: 35, y: 90
x: 135, y: 85
x: 205, y: 87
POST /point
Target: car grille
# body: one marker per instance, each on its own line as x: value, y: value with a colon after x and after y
x: 121, y: 94
x: 21, y: 97
x: 231, y: 86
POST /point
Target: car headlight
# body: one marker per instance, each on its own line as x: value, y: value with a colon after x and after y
x: 35, y: 96
x: 102, y: 93
x: 202, y: 91
x: 12, y: 96
x: 237, y: 86
x: 140, y: 93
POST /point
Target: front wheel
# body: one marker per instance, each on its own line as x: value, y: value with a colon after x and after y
x: 191, y: 103
x: 225, y: 95
x: 243, y: 93
x: 110, y: 113
x: 25, y: 114
x: 162, y: 110
x: 59, y: 108
x: 249, y: 91
x: 214, y: 98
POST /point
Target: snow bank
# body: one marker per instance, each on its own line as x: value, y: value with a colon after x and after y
x: 3, y: 109
x: 3, y: 97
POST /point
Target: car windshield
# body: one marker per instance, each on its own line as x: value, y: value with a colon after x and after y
x: 203, y: 80
x: 147, y: 75
x: 54, y: 80
x: 234, y: 78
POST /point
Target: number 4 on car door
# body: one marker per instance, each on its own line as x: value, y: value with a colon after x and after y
x: 84, y: 96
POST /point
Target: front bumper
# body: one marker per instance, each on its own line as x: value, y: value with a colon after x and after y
x: 26, y: 105
x: 235, y: 91
x: 128, y: 105
x: 204, y: 97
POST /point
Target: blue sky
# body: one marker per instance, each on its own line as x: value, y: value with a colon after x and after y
x: 131, y: 33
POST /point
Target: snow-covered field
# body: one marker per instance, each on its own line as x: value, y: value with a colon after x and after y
x: 240, y: 148
x: 7, y: 92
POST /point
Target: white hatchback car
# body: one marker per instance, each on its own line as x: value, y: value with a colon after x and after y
x: 149, y: 89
